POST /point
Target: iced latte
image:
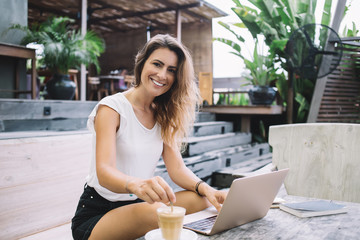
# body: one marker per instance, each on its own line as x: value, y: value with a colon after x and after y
x: 170, y: 221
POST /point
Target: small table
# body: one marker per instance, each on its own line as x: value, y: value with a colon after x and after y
x: 245, y: 112
x: 17, y: 51
x: 110, y: 78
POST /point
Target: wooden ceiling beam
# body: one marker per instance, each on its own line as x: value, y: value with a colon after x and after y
x: 51, y: 10
x: 106, y: 5
x: 185, y: 10
x: 153, y: 11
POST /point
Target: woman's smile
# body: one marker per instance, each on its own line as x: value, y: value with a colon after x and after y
x: 157, y: 83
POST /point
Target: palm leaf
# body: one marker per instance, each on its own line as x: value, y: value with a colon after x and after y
x: 226, y: 26
x: 231, y: 44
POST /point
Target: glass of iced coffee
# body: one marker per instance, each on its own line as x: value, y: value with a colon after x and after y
x: 170, y: 221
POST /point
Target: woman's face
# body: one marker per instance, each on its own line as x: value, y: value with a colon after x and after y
x: 159, y: 72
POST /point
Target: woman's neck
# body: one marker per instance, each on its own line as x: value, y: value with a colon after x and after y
x: 139, y: 99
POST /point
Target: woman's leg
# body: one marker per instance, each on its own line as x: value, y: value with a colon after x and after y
x: 127, y: 222
x: 135, y: 220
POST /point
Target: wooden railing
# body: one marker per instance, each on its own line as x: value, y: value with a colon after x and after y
x: 238, y: 97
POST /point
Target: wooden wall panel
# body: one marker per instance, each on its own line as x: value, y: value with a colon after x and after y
x: 41, y: 181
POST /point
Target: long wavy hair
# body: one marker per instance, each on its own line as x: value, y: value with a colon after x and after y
x: 174, y: 110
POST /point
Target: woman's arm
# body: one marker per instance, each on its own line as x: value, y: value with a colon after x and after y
x: 155, y: 189
x: 185, y: 178
x: 107, y: 122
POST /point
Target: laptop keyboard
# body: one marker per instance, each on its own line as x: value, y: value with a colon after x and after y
x: 202, y: 224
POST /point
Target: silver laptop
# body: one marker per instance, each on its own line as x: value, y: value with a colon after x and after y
x: 248, y: 199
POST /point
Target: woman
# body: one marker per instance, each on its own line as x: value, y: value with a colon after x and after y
x: 131, y: 131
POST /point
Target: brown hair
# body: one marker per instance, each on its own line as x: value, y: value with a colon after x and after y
x: 175, y: 109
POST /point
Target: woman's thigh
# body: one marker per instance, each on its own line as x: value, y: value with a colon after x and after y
x: 91, y: 208
x: 127, y: 222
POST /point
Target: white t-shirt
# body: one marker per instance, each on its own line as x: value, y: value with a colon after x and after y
x: 138, y: 149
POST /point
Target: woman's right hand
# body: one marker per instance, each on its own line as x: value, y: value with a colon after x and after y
x: 152, y: 190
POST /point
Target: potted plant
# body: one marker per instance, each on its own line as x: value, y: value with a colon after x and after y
x: 262, y: 75
x: 262, y: 71
x: 63, y: 48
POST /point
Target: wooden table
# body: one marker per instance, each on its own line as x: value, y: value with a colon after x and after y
x: 281, y: 225
x: 245, y: 112
x: 110, y: 79
x: 17, y: 51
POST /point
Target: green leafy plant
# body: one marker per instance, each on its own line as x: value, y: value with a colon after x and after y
x: 63, y: 47
x: 262, y: 71
x: 350, y: 32
x: 261, y: 137
x: 276, y: 20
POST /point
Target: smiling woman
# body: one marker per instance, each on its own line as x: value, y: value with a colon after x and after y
x: 131, y: 131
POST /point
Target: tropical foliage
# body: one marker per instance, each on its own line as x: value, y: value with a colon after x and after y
x: 262, y: 71
x: 350, y: 32
x: 63, y: 47
x: 276, y: 20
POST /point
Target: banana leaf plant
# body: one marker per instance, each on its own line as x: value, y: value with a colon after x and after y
x: 276, y: 20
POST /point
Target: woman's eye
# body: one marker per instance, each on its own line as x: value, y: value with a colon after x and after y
x: 156, y: 64
x: 172, y: 70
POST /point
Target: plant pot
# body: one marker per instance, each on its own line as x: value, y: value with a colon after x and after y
x: 262, y: 95
x: 60, y: 86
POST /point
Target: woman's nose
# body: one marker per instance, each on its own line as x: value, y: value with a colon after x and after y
x: 162, y: 73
